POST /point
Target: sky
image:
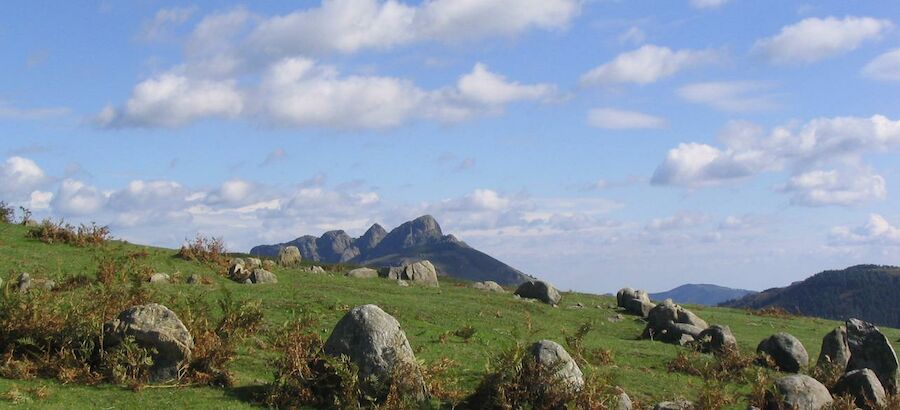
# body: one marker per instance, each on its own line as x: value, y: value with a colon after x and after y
x: 595, y: 144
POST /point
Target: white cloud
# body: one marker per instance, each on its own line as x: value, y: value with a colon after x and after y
x: 172, y: 100
x: 20, y: 176
x: 707, y: 4
x: 877, y: 231
x: 646, y: 65
x: 348, y: 26
x: 10, y: 112
x: 819, y: 188
x: 734, y: 96
x: 676, y: 222
x: 77, y: 198
x: 885, y: 67
x: 820, y: 141
x: 613, y: 118
x: 634, y: 35
x: 39, y: 200
x: 815, y: 39
x: 487, y: 88
x: 160, y: 26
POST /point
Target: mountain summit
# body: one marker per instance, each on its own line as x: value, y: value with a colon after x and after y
x: 421, y: 238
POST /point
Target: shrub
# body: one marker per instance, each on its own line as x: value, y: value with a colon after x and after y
x: 61, y: 232
x: 581, y: 354
x: 7, y: 213
x: 772, y: 311
x: 210, y: 251
x: 728, y: 365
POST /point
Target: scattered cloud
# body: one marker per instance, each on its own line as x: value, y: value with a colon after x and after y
x: 814, y: 39
x: 616, y: 119
x: 885, y: 67
x: 20, y: 176
x: 159, y: 27
x: 277, y: 155
x: 634, y: 35
x: 647, y: 64
x: 877, y: 231
x: 707, y: 4
x: 676, y: 222
x: 732, y: 96
x: 819, y: 188
x: 77, y: 198
x: 10, y: 112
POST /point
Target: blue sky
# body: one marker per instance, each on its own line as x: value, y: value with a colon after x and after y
x: 596, y: 144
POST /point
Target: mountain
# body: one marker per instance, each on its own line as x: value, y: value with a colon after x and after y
x: 868, y: 292
x: 701, y: 294
x: 421, y: 238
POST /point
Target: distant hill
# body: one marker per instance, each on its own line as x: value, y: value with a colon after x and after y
x: 418, y: 239
x: 868, y: 292
x: 702, y: 294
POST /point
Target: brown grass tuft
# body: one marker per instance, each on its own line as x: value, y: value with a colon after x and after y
x: 61, y: 232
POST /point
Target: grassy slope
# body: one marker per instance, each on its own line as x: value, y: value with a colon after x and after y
x: 425, y: 313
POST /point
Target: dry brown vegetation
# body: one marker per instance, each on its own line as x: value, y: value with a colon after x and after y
x: 62, y: 232
x: 210, y: 251
x: 7, y: 213
x: 772, y: 311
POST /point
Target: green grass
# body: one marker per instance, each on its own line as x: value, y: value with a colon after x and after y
x: 499, y: 321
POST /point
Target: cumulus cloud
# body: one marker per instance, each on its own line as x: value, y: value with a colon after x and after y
x: 646, y: 65
x: 815, y: 39
x: 838, y: 142
x: 78, y: 198
x: 885, y: 67
x: 733, y: 96
x: 616, y: 119
x: 877, y: 231
x: 20, y: 176
x: 172, y: 100
x: 707, y: 4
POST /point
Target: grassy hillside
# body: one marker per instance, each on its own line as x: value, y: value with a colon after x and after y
x: 427, y: 314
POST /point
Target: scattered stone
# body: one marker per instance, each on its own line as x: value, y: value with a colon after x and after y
x: 539, y: 290
x: 675, y: 405
x: 159, y: 278
x: 289, y: 256
x: 24, y: 283
x: 864, y: 386
x: 616, y: 318
x: 550, y: 355
x: 374, y: 341
x: 578, y: 305
x: 870, y: 349
x: 636, y: 302
x: 153, y: 326
x: 314, y: 269
x: 799, y: 392
x: 363, y: 273
x: 489, y: 285
x: 402, y: 283
x: 787, y: 352
x: 237, y: 273
x: 717, y: 339
x: 194, y: 279
x: 671, y: 323
x: 835, y: 350
x: 260, y: 275
x: 623, y: 402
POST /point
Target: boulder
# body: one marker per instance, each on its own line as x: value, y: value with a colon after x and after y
x: 260, y: 275
x: 870, y: 349
x: 489, y: 285
x: 374, y: 341
x: 835, y: 350
x: 363, y: 273
x: 799, y: 392
x: 403, y: 283
x: 550, y: 355
x: 289, y: 256
x: 159, y: 278
x: 623, y: 402
x: 153, y: 326
x: 194, y: 279
x: 671, y: 323
x: 421, y: 272
x: 253, y: 263
x: 863, y: 386
x: 636, y: 302
x: 24, y: 282
x: 539, y: 290
x: 675, y: 405
x: 717, y: 339
x: 787, y: 352
x: 269, y: 265
x: 238, y: 261
x: 237, y: 273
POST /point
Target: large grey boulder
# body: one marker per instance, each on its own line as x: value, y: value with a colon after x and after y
x: 289, y: 256
x: 675, y: 405
x: 870, y: 349
x: 260, y: 275
x: 374, y: 341
x: 489, y: 285
x: 717, y: 339
x: 671, y: 323
x: 363, y: 273
x: 799, y: 392
x: 786, y: 351
x: 550, y: 355
x: 539, y: 290
x: 421, y: 272
x: 864, y: 386
x: 153, y: 326
x: 835, y: 349
x: 636, y: 302
x: 254, y: 263
x: 238, y: 273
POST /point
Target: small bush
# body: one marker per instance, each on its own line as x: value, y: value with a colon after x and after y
x: 210, y: 251
x: 584, y: 356
x: 7, y: 213
x: 715, y: 396
x: 772, y: 311
x: 729, y: 365
x: 61, y: 232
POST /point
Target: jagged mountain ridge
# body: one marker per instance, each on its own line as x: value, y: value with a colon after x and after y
x: 868, y: 292
x: 421, y: 238
x: 701, y: 294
